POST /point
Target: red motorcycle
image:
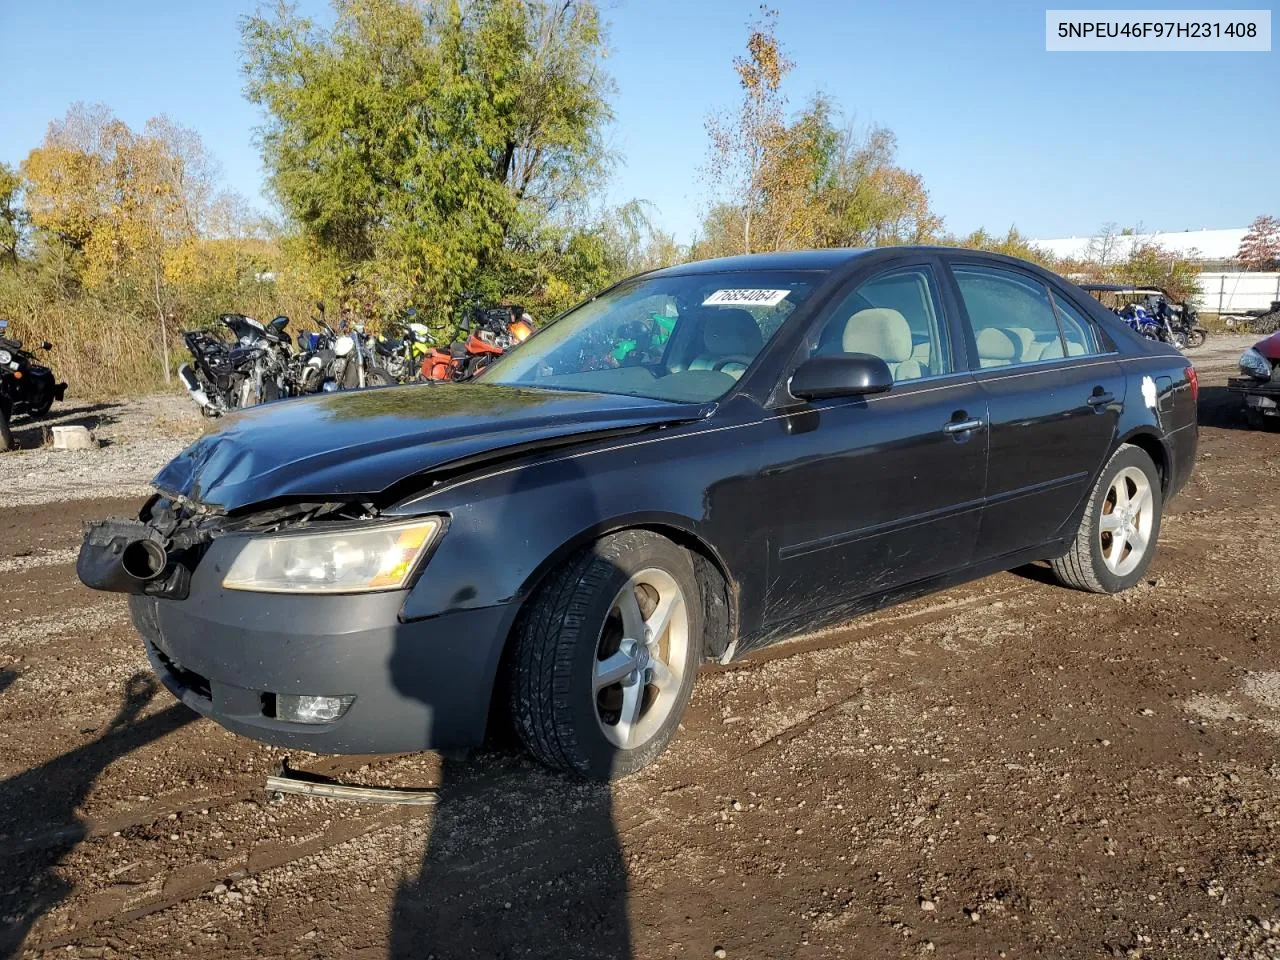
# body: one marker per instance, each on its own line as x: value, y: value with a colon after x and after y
x: 494, y: 332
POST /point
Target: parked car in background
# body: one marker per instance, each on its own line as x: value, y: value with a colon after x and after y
x: 1259, y: 382
x: 798, y: 439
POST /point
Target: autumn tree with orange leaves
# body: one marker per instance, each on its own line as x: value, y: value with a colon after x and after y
x: 808, y: 181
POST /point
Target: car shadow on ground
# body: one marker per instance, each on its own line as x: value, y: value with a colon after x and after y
x: 1221, y: 407
x: 28, y: 434
x: 38, y: 822
x: 521, y: 861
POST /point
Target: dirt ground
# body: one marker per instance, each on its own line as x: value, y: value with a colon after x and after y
x: 1006, y: 769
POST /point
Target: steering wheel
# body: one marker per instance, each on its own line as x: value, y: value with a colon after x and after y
x: 741, y: 358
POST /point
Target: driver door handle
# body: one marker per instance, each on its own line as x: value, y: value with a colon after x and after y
x: 962, y: 426
x: 1101, y: 399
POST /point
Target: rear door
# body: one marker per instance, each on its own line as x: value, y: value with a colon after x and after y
x: 1053, y: 395
x: 868, y: 494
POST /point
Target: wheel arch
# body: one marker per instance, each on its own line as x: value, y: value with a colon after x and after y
x: 719, y: 588
x: 1150, y: 442
x: 720, y: 591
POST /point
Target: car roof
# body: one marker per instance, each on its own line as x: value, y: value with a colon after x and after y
x: 829, y: 259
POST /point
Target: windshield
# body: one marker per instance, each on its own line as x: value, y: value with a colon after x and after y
x: 683, y: 338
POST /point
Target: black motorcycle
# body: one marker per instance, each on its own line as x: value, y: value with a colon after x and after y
x: 251, y: 369
x: 25, y: 385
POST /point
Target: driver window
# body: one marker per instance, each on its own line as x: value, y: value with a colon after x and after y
x: 896, y: 317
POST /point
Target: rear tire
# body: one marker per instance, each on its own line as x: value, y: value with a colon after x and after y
x: 1119, y: 529
x: 378, y: 377
x: 585, y: 695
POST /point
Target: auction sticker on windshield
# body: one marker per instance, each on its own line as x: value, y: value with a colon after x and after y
x: 745, y: 298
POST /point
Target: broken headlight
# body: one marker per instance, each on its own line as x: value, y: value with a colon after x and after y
x: 346, y: 560
x: 1253, y: 364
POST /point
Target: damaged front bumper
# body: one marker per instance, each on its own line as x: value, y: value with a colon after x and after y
x: 237, y: 657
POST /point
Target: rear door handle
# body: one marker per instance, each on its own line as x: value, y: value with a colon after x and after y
x: 1101, y: 399
x: 962, y: 426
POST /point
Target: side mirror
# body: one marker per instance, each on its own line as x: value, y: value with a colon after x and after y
x: 280, y: 322
x: 3, y: 324
x: 840, y: 375
x: 320, y: 307
x: 46, y: 345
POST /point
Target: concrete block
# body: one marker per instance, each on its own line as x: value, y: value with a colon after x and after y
x: 73, y: 438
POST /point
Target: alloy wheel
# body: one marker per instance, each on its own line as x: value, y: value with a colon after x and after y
x: 1124, y: 529
x: 641, y: 658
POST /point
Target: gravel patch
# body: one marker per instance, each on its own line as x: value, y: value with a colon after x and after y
x: 138, y: 437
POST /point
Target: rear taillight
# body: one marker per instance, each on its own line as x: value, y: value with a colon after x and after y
x: 1193, y: 379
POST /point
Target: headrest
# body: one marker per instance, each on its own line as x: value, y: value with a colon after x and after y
x: 878, y: 331
x: 729, y: 330
x: 1023, y: 337
x: 995, y: 344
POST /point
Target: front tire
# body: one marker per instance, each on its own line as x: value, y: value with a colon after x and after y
x: 605, y: 656
x: 1119, y: 529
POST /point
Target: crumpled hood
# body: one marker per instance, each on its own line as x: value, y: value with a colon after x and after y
x: 353, y: 444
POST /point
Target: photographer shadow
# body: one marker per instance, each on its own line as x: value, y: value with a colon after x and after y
x: 521, y: 861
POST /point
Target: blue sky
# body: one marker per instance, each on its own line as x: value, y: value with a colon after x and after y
x: 1003, y: 132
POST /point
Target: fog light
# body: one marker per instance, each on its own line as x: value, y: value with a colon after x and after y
x: 304, y: 709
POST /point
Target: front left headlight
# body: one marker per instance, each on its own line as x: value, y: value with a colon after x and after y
x: 5, y: 357
x: 1254, y: 364
x: 347, y: 560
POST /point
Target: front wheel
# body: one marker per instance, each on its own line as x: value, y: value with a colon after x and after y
x: 605, y: 656
x: 1119, y: 529
x: 1195, y: 338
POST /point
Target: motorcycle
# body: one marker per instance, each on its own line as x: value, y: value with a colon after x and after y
x: 25, y: 385
x: 253, y: 368
x: 337, y: 360
x: 491, y: 332
x: 403, y: 356
x: 1187, y: 331
x: 1142, y: 322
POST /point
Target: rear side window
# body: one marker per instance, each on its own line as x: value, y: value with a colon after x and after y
x: 1012, y: 316
x: 1077, y: 333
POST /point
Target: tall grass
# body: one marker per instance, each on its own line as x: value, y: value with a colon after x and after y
x: 106, y: 349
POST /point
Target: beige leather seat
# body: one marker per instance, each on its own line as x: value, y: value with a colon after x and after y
x: 883, y: 333
x: 997, y: 348
x: 921, y: 354
x: 1028, y: 349
x: 1053, y: 350
x: 728, y: 332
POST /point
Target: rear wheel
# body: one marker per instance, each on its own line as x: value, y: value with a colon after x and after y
x: 605, y: 656
x: 378, y: 377
x: 1195, y: 338
x: 1119, y: 529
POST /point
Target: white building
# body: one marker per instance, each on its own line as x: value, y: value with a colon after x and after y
x: 1205, y: 246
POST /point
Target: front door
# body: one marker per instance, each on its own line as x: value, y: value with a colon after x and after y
x: 874, y: 493
x: 1054, y: 401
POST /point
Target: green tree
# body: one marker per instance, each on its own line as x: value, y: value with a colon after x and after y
x: 414, y: 143
x: 13, y: 218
